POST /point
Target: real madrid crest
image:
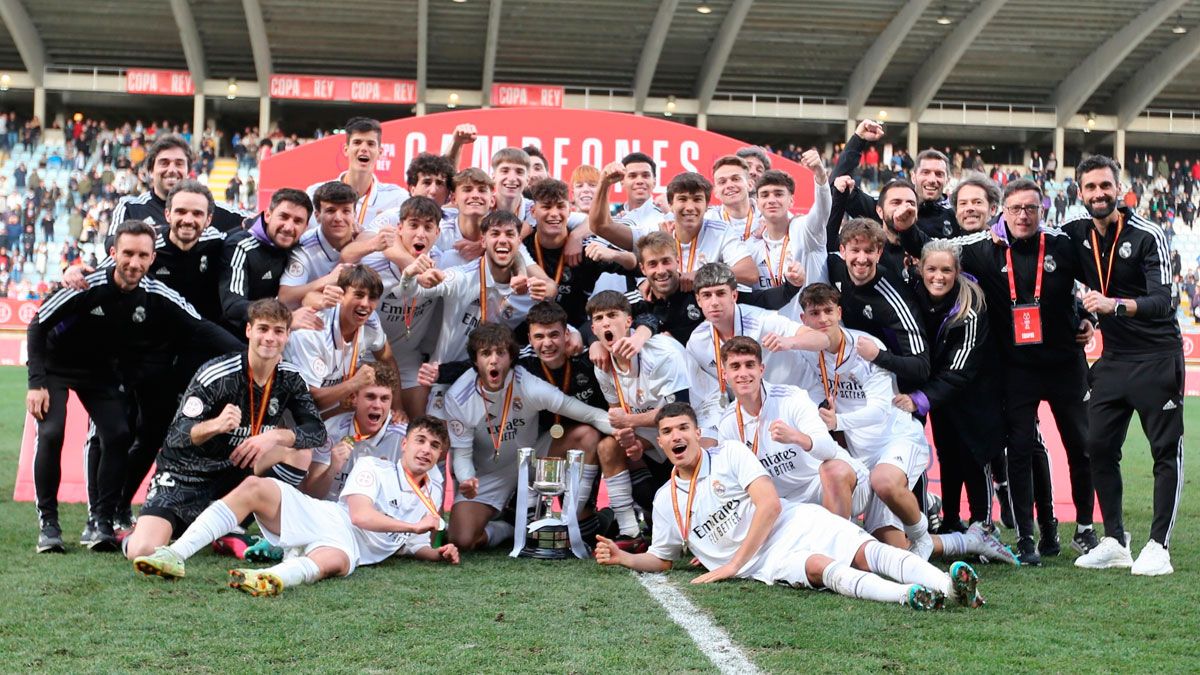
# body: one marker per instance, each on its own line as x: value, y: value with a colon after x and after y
x: 1049, y: 264
x: 273, y: 407
x: 203, y: 263
x: 1126, y: 250
x: 139, y: 314
x: 693, y: 312
x: 868, y: 312
x: 295, y: 269
x: 517, y: 404
x: 718, y: 488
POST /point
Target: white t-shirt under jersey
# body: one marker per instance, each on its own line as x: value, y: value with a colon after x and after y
x: 386, y: 441
x: 384, y: 483
x: 474, y: 422
x: 655, y: 375
x: 796, y: 471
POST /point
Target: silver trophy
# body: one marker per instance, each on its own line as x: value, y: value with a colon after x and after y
x: 551, y: 535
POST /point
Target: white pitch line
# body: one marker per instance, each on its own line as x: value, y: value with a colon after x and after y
x: 709, y: 638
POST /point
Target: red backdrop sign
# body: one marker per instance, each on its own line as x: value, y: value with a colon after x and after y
x: 568, y: 138
x: 351, y: 89
x: 160, y: 82
x: 16, y: 314
x: 526, y: 96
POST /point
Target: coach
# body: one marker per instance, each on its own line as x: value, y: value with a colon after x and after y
x: 1125, y: 262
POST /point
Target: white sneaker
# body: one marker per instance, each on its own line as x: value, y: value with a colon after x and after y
x: 922, y: 547
x: 1107, y: 555
x: 1153, y: 561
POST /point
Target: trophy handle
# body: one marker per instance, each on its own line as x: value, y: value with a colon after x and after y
x: 571, y: 502
x: 524, y: 455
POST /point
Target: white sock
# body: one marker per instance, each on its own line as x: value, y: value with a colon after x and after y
x: 498, y: 532
x: 905, y: 567
x: 620, y: 498
x: 845, y: 580
x: 1084, y: 528
x: 917, y: 530
x: 957, y: 544
x: 587, y: 479
x: 215, y: 521
x: 296, y: 571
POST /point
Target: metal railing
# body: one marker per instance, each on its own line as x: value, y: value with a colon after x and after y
x: 1178, y: 121
x: 777, y: 105
x: 600, y: 98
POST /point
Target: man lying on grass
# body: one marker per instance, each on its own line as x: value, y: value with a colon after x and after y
x: 737, y: 525
x: 386, y: 507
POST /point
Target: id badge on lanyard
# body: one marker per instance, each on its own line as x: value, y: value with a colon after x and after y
x: 1027, y: 317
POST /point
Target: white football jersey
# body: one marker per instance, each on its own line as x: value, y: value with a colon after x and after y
x: 796, y: 471
x: 379, y: 198
x: 806, y: 242
x: 461, y: 311
x: 477, y: 419
x: 324, y: 358
x: 386, y: 441
x: 647, y: 217
x: 864, y: 399
x: 655, y: 374
x: 748, y: 321
x: 311, y: 259
x: 740, y: 226
x: 386, y: 485
x: 716, y: 242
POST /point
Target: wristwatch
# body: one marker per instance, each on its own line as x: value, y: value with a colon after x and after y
x: 1121, y: 309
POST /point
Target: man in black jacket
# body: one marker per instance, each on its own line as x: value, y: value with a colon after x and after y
x: 1028, y: 274
x: 935, y: 215
x: 1125, y: 263
x: 168, y: 161
x: 254, y: 260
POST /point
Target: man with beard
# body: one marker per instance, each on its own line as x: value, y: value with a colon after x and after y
x: 313, y: 262
x: 168, y: 162
x: 135, y: 326
x: 253, y: 261
x: 697, y: 239
x: 1028, y: 274
x: 364, y: 138
x: 935, y: 216
x: 1126, y: 265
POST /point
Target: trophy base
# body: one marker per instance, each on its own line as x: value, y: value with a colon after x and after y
x: 548, y: 543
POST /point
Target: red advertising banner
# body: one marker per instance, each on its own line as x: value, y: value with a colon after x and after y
x: 159, y: 82
x: 526, y: 96
x: 350, y: 89
x: 16, y: 314
x: 568, y: 137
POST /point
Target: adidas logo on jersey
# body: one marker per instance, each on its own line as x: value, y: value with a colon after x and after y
x: 99, y: 311
x: 267, y: 276
x: 162, y: 272
x: 1170, y: 405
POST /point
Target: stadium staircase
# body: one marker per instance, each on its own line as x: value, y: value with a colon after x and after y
x: 224, y: 169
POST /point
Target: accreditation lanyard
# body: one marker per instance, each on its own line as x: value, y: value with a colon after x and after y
x: 842, y: 355
x: 776, y: 280
x: 684, y: 521
x: 742, y: 427
x: 257, y: 415
x: 1027, y: 318
x: 1106, y: 279
x: 498, y: 437
x: 566, y: 382
x: 691, y: 264
x: 558, y: 271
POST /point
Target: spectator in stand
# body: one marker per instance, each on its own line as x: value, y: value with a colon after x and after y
x: 1036, y: 165
x: 870, y: 165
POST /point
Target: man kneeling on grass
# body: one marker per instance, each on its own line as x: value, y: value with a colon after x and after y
x: 737, y: 525
x: 385, y: 508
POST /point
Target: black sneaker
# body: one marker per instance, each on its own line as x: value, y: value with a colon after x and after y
x: 1005, y: 499
x: 50, y: 538
x: 1084, y: 540
x: 106, y: 539
x: 1049, y: 545
x: 933, y: 512
x: 88, y: 536
x: 1027, y: 552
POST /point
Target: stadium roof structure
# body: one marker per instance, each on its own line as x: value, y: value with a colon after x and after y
x: 1102, y: 63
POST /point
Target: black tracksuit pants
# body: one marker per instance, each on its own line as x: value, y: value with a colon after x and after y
x: 958, y: 468
x: 1154, y: 389
x: 1063, y: 386
x: 106, y: 404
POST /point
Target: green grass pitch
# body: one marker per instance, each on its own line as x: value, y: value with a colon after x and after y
x: 90, y: 612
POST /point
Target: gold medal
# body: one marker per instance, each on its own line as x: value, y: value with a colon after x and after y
x: 556, y: 431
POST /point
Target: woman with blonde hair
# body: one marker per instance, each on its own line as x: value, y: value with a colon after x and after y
x: 962, y: 394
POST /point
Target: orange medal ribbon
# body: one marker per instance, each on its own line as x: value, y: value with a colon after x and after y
x: 498, y: 437
x: 617, y: 382
x: 776, y: 280
x: 256, y: 418
x: 685, y: 524
x: 831, y: 393
x: 416, y: 488
x: 566, y: 383
x: 691, y: 254
x: 483, y: 290
x: 537, y: 250
x: 742, y: 430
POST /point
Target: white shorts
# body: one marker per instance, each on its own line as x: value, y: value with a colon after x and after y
x: 813, y: 492
x: 911, y: 458
x: 307, y: 523
x: 497, y: 487
x: 810, y: 530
